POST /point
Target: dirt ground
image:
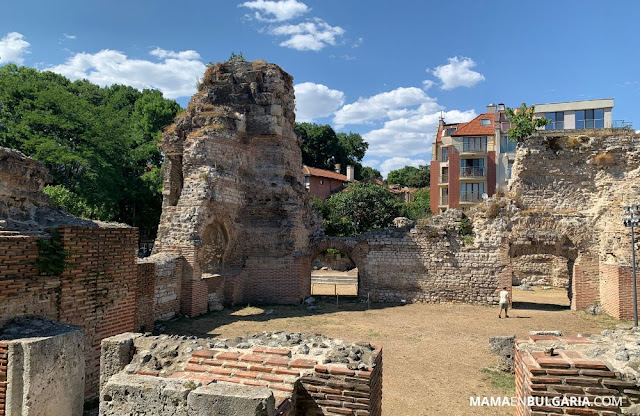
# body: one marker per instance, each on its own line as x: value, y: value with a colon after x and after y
x: 435, y: 356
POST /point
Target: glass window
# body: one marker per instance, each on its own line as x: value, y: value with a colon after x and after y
x: 307, y: 182
x: 509, y: 167
x: 590, y: 119
x: 450, y: 131
x: 485, y: 122
x: 444, y: 154
x: 506, y: 145
x: 474, y: 144
x: 557, y: 120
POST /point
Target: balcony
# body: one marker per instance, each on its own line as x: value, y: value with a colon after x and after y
x: 474, y: 147
x: 471, y: 172
x: 473, y: 197
x: 444, y: 200
x: 444, y: 178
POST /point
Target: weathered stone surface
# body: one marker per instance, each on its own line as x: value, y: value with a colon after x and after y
x: 45, y: 368
x: 503, y: 346
x: 222, y: 399
x: 233, y: 193
x: 115, y: 354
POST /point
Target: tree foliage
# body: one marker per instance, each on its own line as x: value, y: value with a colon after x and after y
x: 100, y: 144
x: 410, y: 176
x: 368, y: 172
x: 362, y: 207
x: 523, y: 124
x: 236, y: 58
x: 322, y: 148
x: 419, y: 207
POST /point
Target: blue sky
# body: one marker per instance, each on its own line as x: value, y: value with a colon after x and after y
x: 382, y: 69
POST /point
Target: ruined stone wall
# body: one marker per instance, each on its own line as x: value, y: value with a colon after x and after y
x: 578, y: 203
x: 338, y: 262
x: 572, y: 369
x: 540, y: 270
x: 234, y: 204
x: 4, y: 362
x: 95, y: 292
x: 159, y: 300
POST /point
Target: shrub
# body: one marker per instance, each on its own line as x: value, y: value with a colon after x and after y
x: 494, y: 207
x: 573, y: 142
x: 466, y: 228
x: 604, y: 160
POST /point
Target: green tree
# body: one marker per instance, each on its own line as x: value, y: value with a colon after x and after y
x: 99, y: 144
x: 368, y: 172
x: 419, y: 207
x: 236, y: 58
x: 523, y: 124
x: 322, y: 147
x: 410, y: 176
x: 362, y: 207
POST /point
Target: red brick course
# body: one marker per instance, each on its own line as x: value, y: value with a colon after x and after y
x: 4, y: 369
x: 97, y: 292
x: 568, y: 374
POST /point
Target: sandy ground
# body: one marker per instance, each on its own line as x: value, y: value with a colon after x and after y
x: 433, y: 354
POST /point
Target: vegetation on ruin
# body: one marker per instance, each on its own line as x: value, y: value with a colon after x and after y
x: 410, y: 176
x: 523, y: 124
x: 361, y: 208
x: 604, y: 160
x: 466, y: 227
x: 236, y: 58
x: 52, y: 258
x: 99, y: 144
x: 322, y: 148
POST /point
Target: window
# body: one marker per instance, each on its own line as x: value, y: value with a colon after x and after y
x: 557, y: 120
x: 444, y: 177
x: 321, y: 182
x: 444, y: 197
x: 470, y: 168
x: 509, y: 167
x: 506, y: 145
x: 444, y: 154
x: 474, y: 144
x: 485, y: 122
x: 590, y: 119
x: 307, y: 182
x: 450, y: 131
x: 471, y: 192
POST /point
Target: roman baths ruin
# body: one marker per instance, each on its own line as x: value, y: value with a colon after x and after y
x: 238, y: 228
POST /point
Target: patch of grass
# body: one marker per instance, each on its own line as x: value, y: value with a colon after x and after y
x: 504, y: 382
x: 604, y: 160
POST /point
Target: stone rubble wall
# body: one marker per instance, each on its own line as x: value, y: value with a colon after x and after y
x: 540, y: 270
x: 338, y: 262
x: 598, y: 368
x: 300, y: 374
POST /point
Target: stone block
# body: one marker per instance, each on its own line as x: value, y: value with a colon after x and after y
x: 224, y: 399
x: 115, y: 353
x: 504, y: 347
x: 45, y: 369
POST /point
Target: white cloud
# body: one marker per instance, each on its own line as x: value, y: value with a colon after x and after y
x: 427, y: 83
x: 182, y: 55
x: 457, y: 73
x: 411, y: 135
x: 399, y: 162
x: 13, y: 47
x: 315, y: 101
x: 70, y: 37
x: 175, y: 75
x: 391, y: 104
x: 312, y: 35
x: 276, y: 11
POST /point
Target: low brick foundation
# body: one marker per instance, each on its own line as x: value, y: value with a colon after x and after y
x: 4, y: 363
x: 571, y: 377
x: 302, y: 384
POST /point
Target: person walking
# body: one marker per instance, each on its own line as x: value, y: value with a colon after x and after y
x: 504, y: 302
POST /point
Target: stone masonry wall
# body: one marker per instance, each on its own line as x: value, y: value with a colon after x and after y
x: 95, y: 292
x: 305, y: 374
x: 234, y: 203
x: 4, y: 362
x: 577, y: 375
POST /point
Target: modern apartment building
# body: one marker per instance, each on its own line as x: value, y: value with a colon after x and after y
x: 475, y: 158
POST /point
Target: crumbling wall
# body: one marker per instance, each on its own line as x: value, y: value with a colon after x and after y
x: 291, y: 374
x: 540, y: 270
x: 578, y: 203
x: 234, y: 204
x: 594, y: 375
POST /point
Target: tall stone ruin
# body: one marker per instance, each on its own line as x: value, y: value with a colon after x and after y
x: 234, y: 204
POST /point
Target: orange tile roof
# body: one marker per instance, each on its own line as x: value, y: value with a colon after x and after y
x: 474, y: 128
x: 306, y: 170
x: 441, y: 129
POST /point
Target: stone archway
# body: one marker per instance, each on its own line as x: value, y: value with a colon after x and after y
x: 352, y: 248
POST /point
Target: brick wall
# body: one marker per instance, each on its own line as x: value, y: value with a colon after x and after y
x: 4, y: 362
x: 97, y: 292
x: 277, y: 279
x: 145, y: 297
x: 585, y: 284
x: 616, y: 290
x: 568, y: 374
x: 491, y: 172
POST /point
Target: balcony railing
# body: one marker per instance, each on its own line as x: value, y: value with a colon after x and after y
x: 470, y: 197
x: 471, y: 172
x: 474, y: 148
x: 444, y: 178
x: 444, y: 200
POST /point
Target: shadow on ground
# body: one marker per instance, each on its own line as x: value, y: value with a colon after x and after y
x: 535, y: 306
x: 205, y: 325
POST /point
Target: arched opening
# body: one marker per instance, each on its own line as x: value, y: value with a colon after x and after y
x: 542, y: 273
x: 334, y: 271
x: 215, y: 240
